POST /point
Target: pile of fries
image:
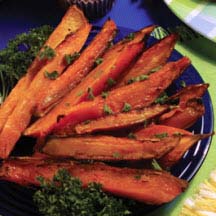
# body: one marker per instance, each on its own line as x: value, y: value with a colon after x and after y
x: 100, y: 104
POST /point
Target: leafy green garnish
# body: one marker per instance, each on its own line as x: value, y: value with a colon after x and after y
x: 71, y: 58
x: 18, y: 55
x: 183, y: 83
x: 131, y: 136
x: 47, y: 53
x: 51, y: 75
x: 107, y: 110
x: 161, y: 135
x: 162, y: 98
x: 98, y: 61
x: 116, y: 155
x: 156, y: 165
x: 130, y: 37
x: 138, y: 78
x: 126, y: 108
x: 104, y: 95
x: 64, y: 195
x: 111, y: 82
x: 90, y: 94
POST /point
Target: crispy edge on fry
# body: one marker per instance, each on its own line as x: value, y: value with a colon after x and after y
x: 108, y: 148
x: 152, y: 59
x: 121, y: 120
x: 147, y: 186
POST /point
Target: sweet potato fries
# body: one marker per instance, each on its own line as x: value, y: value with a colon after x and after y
x: 114, y: 90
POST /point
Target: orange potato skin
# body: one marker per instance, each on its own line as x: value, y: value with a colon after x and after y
x: 21, y: 115
x: 77, y: 71
x: 121, y: 120
x: 132, y: 94
x: 152, y: 187
x: 153, y: 57
x: 56, y: 37
x: 108, y: 148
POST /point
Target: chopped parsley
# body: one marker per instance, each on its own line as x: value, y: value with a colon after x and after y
x: 131, y: 136
x: 71, y: 58
x: 182, y: 83
x: 104, y: 95
x: 130, y: 37
x: 155, y: 69
x: 65, y: 195
x: 90, y: 94
x: 79, y: 93
x: 51, y: 75
x: 162, y: 98
x: 116, y: 155
x: 47, y: 53
x: 107, y: 110
x: 138, y: 78
x: 156, y: 165
x: 137, y: 177
x: 18, y: 55
x: 111, y: 82
x: 86, y: 122
x: 161, y: 135
x: 98, y: 61
x: 126, y: 108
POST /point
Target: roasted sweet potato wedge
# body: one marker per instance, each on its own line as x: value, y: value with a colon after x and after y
x: 186, y: 141
x: 121, y: 120
x: 71, y: 22
x: 21, y: 115
x: 138, y: 95
x: 147, y: 186
x: 152, y: 59
x: 108, y: 148
x: 76, y: 71
x: 184, y: 117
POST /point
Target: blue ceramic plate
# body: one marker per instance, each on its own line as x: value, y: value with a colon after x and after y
x: 16, y: 200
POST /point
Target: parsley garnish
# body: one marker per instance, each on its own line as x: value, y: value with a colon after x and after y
x: 138, y: 78
x: 107, y: 110
x: 154, y: 69
x: 79, y: 93
x: 86, y: 122
x: 104, y: 95
x: 90, y: 94
x: 71, y: 58
x: 162, y: 98
x: 65, y: 195
x: 137, y: 177
x: 98, y: 61
x: 47, y: 53
x: 111, y: 82
x: 156, y: 165
x: 161, y: 135
x: 51, y: 75
x: 116, y: 155
x: 130, y: 37
x: 126, y: 108
x: 131, y: 136
x: 182, y: 83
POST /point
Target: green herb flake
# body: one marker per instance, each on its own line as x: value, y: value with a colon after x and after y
x: 156, y: 165
x: 90, y: 94
x: 110, y: 44
x: 104, y: 95
x: 161, y: 135
x: 98, y: 61
x: 51, y: 75
x: 79, y: 93
x: 177, y: 133
x: 107, y: 110
x: 116, y: 155
x: 130, y: 37
x: 154, y: 70
x: 138, y: 78
x: 65, y: 195
x: 111, y: 82
x: 183, y: 83
x: 86, y: 122
x: 69, y: 59
x: 137, y: 177
x: 47, y: 53
x: 162, y: 98
x: 126, y: 108
x: 131, y: 136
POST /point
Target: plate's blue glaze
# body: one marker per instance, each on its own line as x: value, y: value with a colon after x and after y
x: 15, y: 200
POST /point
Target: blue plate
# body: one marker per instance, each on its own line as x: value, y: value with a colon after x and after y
x: 16, y: 200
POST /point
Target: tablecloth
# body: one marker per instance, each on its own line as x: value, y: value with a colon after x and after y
x: 133, y: 14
